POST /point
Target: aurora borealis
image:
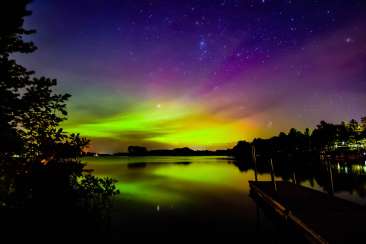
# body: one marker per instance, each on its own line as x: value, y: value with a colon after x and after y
x: 202, y: 74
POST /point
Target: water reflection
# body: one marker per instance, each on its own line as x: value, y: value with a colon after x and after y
x: 344, y: 179
x: 166, y: 193
x: 349, y: 178
x: 358, y: 169
x: 137, y: 165
x: 174, y: 193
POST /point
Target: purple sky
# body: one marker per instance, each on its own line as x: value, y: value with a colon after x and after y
x: 249, y: 68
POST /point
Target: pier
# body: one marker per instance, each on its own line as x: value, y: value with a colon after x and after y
x: 319, y: 217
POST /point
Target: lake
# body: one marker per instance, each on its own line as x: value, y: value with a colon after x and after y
x: 197, y: 193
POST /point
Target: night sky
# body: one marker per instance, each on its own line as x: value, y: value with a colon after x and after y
x: 202, y: 74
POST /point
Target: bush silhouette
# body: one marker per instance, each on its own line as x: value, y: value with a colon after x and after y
x: 39, y: 162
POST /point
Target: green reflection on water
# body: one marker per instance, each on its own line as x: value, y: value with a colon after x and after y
x: 203, y: 173
x: 179, y: 181
x: 165, y: 180
x: 145, y: 192
x: 157, y: 192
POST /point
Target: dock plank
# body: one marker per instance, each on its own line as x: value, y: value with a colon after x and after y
x: 334, y: 219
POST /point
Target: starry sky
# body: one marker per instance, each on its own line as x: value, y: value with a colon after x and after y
x: 202, y: 74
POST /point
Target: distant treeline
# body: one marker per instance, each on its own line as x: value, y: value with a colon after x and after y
x: 185, y: 151
x: 326, y: 137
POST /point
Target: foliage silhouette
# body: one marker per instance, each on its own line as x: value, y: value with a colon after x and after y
x: 185, y: 151
x: 39, y: 165
x: 296, y: 155
x: 326, y: 137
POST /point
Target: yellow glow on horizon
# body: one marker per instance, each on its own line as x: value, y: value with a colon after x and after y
x: 172, y: 123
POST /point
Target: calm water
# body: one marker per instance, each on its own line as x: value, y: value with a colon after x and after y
x: 169, y: 193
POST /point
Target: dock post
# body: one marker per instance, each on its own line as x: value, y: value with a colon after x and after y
x: 294, y: 177
x: 293, y: 172
x: 254, y: 158
x: 331, y: 178
x: 273, y: 175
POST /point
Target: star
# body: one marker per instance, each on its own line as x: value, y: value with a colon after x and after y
x: 349, y: 40
x: 203, y: 48
x: 269, y: 124
x: 202, y: 44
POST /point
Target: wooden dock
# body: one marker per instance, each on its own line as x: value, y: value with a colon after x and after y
x: 319, y: 217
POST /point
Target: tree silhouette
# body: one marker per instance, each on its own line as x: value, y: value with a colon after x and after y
x: 242, y: 150
x: 38, y: 160
x: 325, y: 137
x: 363, y: 127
